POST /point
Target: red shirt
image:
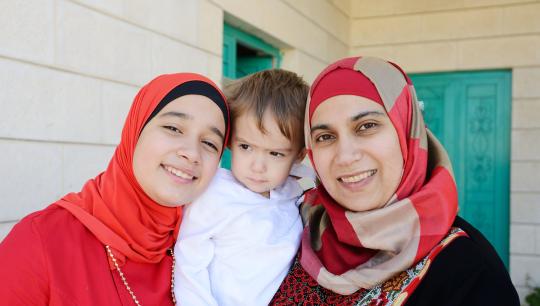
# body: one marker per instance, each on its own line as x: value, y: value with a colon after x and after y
x: 50, y: 258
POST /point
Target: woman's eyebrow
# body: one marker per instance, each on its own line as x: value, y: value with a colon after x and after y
x: 319, y: 127
x: 177, y: 114
x: 364, y: 114
x: 216, y: 131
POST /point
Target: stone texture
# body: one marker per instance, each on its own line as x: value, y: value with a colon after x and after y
x: 169, y: 56
x: 95, y: 44
x: 81, y: 163
x: 47, y: 104
x: 116, y: 100
x: 27, y: 30
x: 525, y: 207
x: 501, y: 52
x: 526, y: 144
x: 35, y: 177
x: 526, y: 113
x: 523, y: 267
x: 525, y: 176
x: 522, y: 239
x: 525, y: 82
x: 172, y: 18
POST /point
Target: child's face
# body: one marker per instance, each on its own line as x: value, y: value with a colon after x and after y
x: 261, y: 161
x: 178, y: 151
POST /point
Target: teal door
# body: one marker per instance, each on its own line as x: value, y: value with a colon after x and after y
x: 244, y: 54
x: 470, y: 113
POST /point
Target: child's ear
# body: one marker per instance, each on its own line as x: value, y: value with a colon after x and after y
x: 301, y: 155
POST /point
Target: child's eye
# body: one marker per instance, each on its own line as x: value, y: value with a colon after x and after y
x: 244, y: 146
x: 173, y: 129
x: 277, y: 154
x: 324, y: 137
x: 210, y: 145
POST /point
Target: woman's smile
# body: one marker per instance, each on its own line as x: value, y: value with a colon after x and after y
x: 358, y: 181
x: 181, y: 176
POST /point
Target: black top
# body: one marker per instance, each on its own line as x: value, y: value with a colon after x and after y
x: 467, y: 272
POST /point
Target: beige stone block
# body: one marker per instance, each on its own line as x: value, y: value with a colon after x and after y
x: 526, y: 144
x: 215, y: 68
x: 5, y: 228
x: 525, y: 207
x: 483, y: 3
x: 365, y: 8
x: 170, y: 56
x: 523, y: 267
x: 526, y: 113
x: 35, y: 177
x: 500, y: 52
x: 525, y: 82
x: 116, y: 99
x: 384, y: 52
x: 170, y: 17
x: 463, y: 24
x: 426, y: 57
x: 525, y: 176
x: 521, y: 19
x: 386, y: 30
x: 326, y: 15
x: 111, y: 7
x: 45, y: 104
x: 27, y: 30
x: 100, y: 45
x: 83, y: 162
x: 177, y: 19
x: 344, y: 6
x: 303, y: 64
x: 522, y: 239
x: 537, y: 243
x: 210, y: 27
x: 336, y: 49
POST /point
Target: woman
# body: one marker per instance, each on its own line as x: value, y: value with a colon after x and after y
x: 109, y: 243
x: 381, y: 227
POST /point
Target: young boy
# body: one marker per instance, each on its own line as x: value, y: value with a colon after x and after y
x: 238, y: 240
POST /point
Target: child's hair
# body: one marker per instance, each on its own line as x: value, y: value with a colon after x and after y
x: 282, y: 92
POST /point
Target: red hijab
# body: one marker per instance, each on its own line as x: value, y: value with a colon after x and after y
x: 113, y: 205
x: 345, y: 250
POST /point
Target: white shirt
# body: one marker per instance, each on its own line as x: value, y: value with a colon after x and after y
x: 235, y: 246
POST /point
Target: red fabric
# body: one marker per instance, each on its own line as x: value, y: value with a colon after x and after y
x: 434, y: 200
x: 50, y: 258
x: 113, y: 206
x: 342, y: 81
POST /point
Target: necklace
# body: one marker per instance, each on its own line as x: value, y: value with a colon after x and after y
x: 126, y: 283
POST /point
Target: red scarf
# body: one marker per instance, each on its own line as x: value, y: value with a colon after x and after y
x: 113, y: 205
x: 344, y: 250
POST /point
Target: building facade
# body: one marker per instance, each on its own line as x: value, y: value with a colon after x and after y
x: 70, y: 69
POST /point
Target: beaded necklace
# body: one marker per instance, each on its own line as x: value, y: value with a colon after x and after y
x: 126, y: 283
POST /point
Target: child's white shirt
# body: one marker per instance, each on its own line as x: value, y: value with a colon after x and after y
x: 236, y: 246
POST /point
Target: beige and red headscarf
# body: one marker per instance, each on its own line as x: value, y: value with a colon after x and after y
x: 345, y: 250
x: 113, y: 205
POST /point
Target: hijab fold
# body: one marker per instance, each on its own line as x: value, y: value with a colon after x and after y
x: 113, y: 205
x: 346, y: 250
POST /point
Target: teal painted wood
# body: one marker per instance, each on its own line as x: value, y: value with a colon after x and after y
x: 235, y: 66
x: 470, y: 113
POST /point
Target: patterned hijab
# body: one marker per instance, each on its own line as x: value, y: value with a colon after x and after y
x: 113, y: 205
x: 345, y: 250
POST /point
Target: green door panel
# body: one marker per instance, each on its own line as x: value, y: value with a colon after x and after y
x: 470, y: 113
x: 235, y: 66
